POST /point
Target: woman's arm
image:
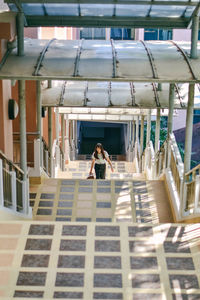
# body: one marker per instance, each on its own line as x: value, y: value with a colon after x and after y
x: 92, y: 165
x: 109, y: 161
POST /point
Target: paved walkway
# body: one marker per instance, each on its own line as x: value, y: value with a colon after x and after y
x: 128, y: 261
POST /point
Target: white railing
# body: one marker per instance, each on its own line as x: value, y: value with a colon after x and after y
x: 184, y: 189
x: 48, y: 163
x: 14, y: 188
x: 149, y: 161
x: 192, y: 190
x: 137, y: 156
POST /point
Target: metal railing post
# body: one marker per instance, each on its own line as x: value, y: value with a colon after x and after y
x: 13, y: 190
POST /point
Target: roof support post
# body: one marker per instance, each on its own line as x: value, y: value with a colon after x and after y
x: 67, y: 151
x: 63, y: 139
x: 194, y: 38
x: 50, y: 136
x: 57, y: 125
x: 137, y: 129
x: 133, y: 133
x: 148, y: 127
x: 157, y: 136
x: 74, y: 138
x: 170, y: 119
x: 141, y: 142
x: 189, y: 129
x: 39, y: 118
x: 171, y: 107
x: 23, y: 142
x: 20, y: 34
x: 129, y: 138
x: 49, y: 84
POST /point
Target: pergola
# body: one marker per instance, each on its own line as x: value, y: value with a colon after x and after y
x: 151, y: 63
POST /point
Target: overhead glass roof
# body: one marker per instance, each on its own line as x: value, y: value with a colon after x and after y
x: 113, y: 13
x: 109, y: 97
x: 101, y: 60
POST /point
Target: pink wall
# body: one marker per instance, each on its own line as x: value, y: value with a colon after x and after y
x: 181, y: 34
x: 6, y: 139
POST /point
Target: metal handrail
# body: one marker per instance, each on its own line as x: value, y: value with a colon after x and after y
x: 192, y: 170
x: 12, y: 166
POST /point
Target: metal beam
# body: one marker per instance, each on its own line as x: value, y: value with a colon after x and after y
x: 20, y: 34
x: 41, y: 57
x: 189, y: 129
x: 104, y: 2
x: 195, y: 13
x: 106, y: 21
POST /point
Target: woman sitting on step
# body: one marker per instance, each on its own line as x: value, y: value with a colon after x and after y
x: 99, y: 158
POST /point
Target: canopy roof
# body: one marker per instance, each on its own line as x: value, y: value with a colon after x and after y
x: 153, y: 61
x: 106, y: 13
x: 113, y: 95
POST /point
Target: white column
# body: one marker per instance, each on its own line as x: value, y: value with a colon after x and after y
x: 189, y: 129
x: 137, y: 128
x: 39, y: 118
x: 50, y: 135
x: 141, y: 140
x: 157, y: 135
x: 67, y: 149
x: 148, y: 128
x: 23, y: 142
x: 170, y: 121
x: 133, y: 133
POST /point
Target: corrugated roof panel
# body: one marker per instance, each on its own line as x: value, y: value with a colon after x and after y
x: 130, y: 57
x: 96, y: 59
x: 169, y: 61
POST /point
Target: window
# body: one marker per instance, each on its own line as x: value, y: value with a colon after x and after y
x: 121, y: 34
x: 93, y: 33
x: 157, y: 34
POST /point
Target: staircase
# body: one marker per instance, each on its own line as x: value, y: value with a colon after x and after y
x: 99, y: 239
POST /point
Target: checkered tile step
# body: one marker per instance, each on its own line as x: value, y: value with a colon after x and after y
x: 52, y: 260
x: 80, y: 170
x: 93, y: 200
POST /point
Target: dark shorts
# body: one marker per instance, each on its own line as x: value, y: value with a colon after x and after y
x: 100, y: 170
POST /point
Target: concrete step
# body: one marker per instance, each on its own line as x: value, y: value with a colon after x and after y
x: 100, y: 201
x: 52, y: 260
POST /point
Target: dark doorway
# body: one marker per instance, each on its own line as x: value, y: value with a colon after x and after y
x: 111, y: 135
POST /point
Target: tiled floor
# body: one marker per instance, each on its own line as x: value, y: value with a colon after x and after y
x: 80, y: 170
x: 128, y: 261
x: 97, y: 201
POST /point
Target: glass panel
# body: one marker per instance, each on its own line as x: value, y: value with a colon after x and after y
x: 62, y: 9
x: 167, y: 11
x: 34, y: 9
x: 132, y: 10
x: 97, y: 10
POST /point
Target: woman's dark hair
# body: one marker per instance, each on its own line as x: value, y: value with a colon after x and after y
x: 99, y: 145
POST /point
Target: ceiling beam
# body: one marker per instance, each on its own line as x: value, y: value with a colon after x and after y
x: 195, y: 13
x: 129, y: 22
x: 103, y: 2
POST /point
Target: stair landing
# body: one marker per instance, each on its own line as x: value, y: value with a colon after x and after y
x: 100, y: 201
